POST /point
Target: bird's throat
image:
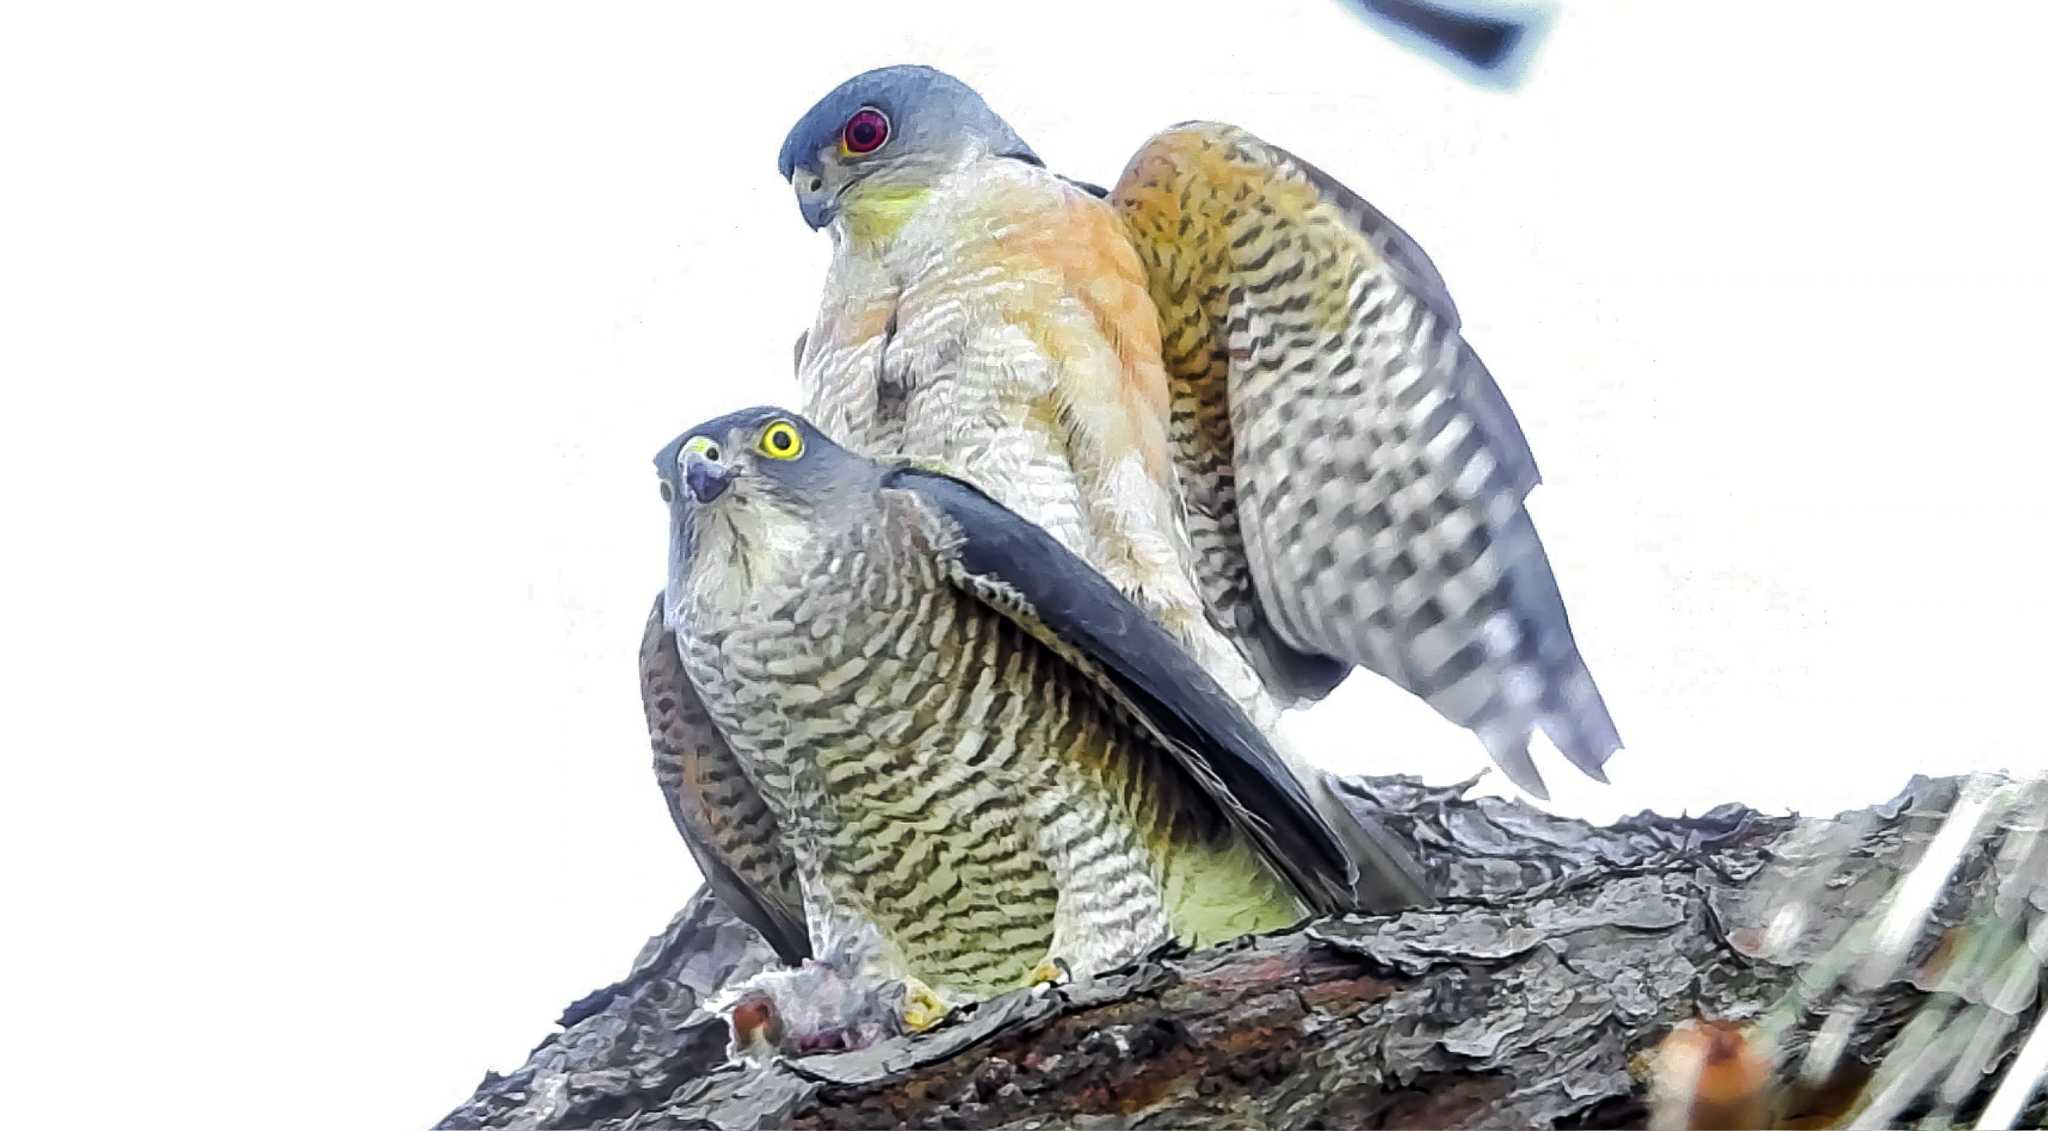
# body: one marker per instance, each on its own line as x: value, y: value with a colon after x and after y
x: 874, y: 214
x: 742, y: 551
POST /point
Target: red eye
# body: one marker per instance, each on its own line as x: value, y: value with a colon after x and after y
x: 865, y: 131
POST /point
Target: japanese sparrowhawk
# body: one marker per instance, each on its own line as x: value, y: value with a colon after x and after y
x: 925, y: 744
x: 1228, y: 383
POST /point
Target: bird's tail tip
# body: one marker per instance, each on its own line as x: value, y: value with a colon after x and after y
x: 1586, y: 737
x: 1579, y: 725
x: 1508, y: 746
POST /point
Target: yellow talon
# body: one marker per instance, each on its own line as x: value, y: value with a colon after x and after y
x: 922, y: 1007
x: 1051, y: 972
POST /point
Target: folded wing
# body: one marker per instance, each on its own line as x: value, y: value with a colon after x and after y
x: 1023, y: 573
x: 724, y: 821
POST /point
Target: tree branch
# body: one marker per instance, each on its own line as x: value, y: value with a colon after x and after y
x: 1533, y: 996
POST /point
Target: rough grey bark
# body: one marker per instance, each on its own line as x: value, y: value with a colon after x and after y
x: 1561, y: 954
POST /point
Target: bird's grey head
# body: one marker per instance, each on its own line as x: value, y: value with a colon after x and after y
x: 894, y: 128
x: 746, y: 490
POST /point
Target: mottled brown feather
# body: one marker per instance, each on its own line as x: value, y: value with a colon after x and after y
x: 728, y: 828
x: 1354, y: 477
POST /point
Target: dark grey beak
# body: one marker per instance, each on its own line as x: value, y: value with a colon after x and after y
x: 705, y: 479
x: 818, y: 205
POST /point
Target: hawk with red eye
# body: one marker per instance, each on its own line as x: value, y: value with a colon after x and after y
x: 1241, y: 392
x: 865, y: 132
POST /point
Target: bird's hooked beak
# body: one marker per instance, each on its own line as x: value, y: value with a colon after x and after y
x: 818, y: 203
x: 706, y: 479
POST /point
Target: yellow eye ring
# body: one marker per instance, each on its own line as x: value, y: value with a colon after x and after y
x: 780, y: 440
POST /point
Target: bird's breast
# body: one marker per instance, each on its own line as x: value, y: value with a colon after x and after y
x: 934, y: 764
x: 1006, y: 335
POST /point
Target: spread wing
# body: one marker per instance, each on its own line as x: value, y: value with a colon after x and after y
x: 726, y: 825
x: 1355, y: 480
x: 1023, y: 573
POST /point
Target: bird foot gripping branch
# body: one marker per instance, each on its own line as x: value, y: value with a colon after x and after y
x: 823, y: 1007
x: 827, y: 1007
x: 1050, y: 973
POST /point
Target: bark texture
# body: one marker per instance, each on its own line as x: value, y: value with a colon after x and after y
x: 1532, y: 996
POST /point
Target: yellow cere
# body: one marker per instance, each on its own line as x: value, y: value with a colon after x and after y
x: 781, y: 440
x: 698, y: 446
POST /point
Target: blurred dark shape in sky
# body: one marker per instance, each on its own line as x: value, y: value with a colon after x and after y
x: 1489, y: 43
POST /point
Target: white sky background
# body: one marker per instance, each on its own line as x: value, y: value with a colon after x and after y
x: 337, y: 344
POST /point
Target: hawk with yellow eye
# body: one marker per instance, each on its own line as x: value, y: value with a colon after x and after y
x: 1228, y: 383
x: 929, y: 747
